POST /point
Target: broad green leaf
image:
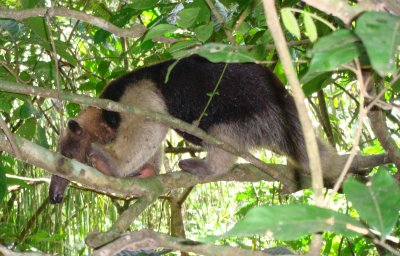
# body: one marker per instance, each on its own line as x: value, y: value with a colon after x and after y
x: 159, y: 30
x: 5, y: 103
x: 73, y: 109
x: 377, y: 202
x: 184, y: 45
x: 87, y: 86
x: 375, y: 148
x: 380, y: 34
x: 98, y: 9
x: 310, y: 27
x: 333, y: 51
x: 119, y: 19
x: 204, y: 15
x: 25, y: 111
x: 187, y: 17
x: 38, y: 26
x: 26, y: 4
x: 104, y: 67
x: 290, y: 22
x: 290, y: 222
x: 3, y: 183
x: 220, y: 53
x: 100, y: 36
x: 142, y: 4
x: 315, y: 83
x: 41, y: 138
x: 28, y: 129
x: 61, y: 48
x: 204, y: 32
x: 11, y: 26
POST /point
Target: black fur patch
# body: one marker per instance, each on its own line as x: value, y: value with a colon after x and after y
x: 245, y: 90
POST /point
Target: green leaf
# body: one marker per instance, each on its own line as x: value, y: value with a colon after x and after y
x: 290, y: 22
x: 220, y: 53
x: 187, y: 17
x: 26, y: 110
x: 119, y: 19
x: 104, y: 67
x: 290, y: 222
x: 159, y: 30
x: 380, y: 34
x: 142, y: 4
x: 41, y: 138
x: 100, y: 36
x: 310, y: 27
x: 184, y: 45
x: 61, y: 48
x: 38, y: 26
x: 333, y: 51
x: 204, y: 32
x: 377, y: 202
x: 88, y: 86
x: 26, y: 4
x: 3, y: 183
x: 5, y: 103
x: 28, y: 129
x: 315, y: 83
x: 11, y: 26
x: 204, y: 15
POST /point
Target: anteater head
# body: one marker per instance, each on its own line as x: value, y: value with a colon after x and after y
x: 75, y: 143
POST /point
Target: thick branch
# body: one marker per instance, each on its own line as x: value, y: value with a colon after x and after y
x: 344, y: 11
x: 299, y: 98
x: 135, y: 31
x: 6, y: 252
x: 151, y: 239
x: 378, y: 124
x: 78, y: 172
x: 158, y: 117
x: 129, y: 187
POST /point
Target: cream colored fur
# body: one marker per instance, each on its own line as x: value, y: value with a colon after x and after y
x: 144, y: 136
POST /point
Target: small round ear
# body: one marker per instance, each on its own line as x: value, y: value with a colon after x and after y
x: 74, y: 127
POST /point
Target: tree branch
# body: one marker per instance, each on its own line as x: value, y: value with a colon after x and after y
x: 134, y: 32
x: 307, y: 128
x: 6, y: 252
x: 344, y: 11
x: 151, y: 239
x: 378, y: 123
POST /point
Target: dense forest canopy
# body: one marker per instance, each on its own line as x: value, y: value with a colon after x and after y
x: 338, y: 58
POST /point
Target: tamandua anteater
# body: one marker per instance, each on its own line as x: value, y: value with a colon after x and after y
x: 250, y: 109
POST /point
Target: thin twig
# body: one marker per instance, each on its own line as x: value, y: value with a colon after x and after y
x: 381, y: 93
x: 57, y: 73
x: 357, y: 137
x: 211, y: 96
x: 386, y: 246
